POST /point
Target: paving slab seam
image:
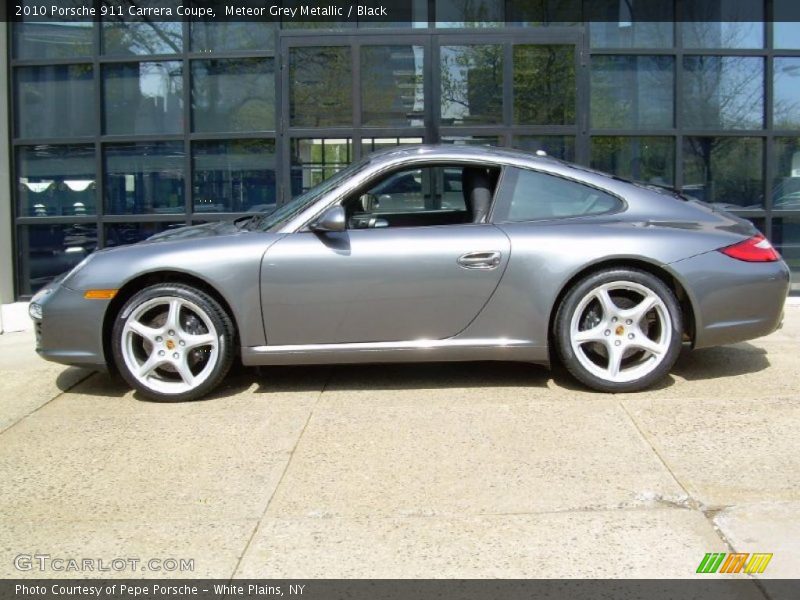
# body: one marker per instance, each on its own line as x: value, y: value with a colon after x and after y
x: 283, y: 474
x: 41, y: 406
x: 707, y: 512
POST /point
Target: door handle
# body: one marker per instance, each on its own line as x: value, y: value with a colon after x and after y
x: 480, y: 260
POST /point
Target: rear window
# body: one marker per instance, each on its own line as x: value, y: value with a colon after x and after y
x: 533, y: 196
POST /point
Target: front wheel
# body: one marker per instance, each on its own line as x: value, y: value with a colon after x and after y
x: 619, y: 330
x: 173, y: 342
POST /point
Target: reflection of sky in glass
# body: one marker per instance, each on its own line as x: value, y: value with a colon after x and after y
x: 787, y: 92
x: 786, y: 35
x: 711, y: 34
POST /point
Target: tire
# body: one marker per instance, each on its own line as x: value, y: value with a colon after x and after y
x: 173, y: 342
x: 627, y: 345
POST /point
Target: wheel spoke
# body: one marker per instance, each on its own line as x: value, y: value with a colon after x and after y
x: 153, y: 361
x: 174, y: 315
x: 203, y: 339
x: 142, y: 330
x: 183, y: 370
x: 646, y: 344
x: 595, y: 334
x: 606, y: 303
x: 614, y: 360
x: 637, y: 313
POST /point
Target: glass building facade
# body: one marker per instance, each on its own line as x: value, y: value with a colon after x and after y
x: 121, y: 130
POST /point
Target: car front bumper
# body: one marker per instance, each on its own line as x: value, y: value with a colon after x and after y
x: 69, y: 328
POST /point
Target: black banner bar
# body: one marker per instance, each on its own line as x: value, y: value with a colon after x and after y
x: 711, y: 588
x: 363, y: 12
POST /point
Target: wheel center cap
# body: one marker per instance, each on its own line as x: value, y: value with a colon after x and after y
x: 170, y: 345
x: 619, y: 330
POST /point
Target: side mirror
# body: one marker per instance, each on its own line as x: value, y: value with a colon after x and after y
x: 332, y: 220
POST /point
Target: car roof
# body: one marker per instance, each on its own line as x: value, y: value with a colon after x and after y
x: 454, y: 152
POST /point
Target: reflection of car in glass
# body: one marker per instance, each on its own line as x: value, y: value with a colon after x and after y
x: 425, y: 254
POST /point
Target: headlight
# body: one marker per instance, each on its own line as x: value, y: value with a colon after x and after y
x: 35, y: 311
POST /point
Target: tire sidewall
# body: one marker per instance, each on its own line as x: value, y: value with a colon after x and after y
x: 569, y: 305
x: 218, y: 316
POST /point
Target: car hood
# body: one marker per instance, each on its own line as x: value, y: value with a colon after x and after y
x: 195, y: 231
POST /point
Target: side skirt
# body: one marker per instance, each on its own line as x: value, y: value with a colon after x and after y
x: 405, y: 351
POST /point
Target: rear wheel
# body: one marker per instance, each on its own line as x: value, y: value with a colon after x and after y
x: 619, y: 330
x: 173, y: 342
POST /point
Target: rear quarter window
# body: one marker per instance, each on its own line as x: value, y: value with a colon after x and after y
x: 528, y: 195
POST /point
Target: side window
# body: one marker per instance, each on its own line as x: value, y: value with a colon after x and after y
x: 430, y: 195
x: 534, y: 196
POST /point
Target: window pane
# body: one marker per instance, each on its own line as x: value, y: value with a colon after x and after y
x: 233, y: 95
x: 391, y: 85
x: 786, y: 29
x: 632, y: 92
x: 538, y: 13
x: 55, y: 101
x: 616, y: 24
x: 120, y: 234
x: 786, y: 36
x: 319, y: 87
x: 727, y: 170
x: 711, y: 34
x: 786, y: 185
x: 786, y: 238
x: 55, y: 181
x: 144, y: 178
x: 723, y: 92
x: 557, y: 146
x: 46, y: 251
x: 141, y: 38
x: 314, y: 160
x: 143, y: 97
x: 544, y: 85
x: 233, y: 176
x: 218, y: 36
x: 472, y: 140
x: 416, y: 197
x: 469, y: 13
x: 532, y: 196
x: 723, y: 24
x: 369, y: 145
x: 53, y: 39
x: 472, y: 84
x: 647, y: 159
x: 786, y: 112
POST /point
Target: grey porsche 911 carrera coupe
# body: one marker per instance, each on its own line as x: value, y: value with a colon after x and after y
x: 426, y: 253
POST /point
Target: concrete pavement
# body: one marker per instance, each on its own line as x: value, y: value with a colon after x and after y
x: 441, y: 470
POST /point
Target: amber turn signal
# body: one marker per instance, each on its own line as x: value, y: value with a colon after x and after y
x: 99, y: 294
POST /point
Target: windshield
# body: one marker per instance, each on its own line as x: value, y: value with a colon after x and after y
x: 299, y: 204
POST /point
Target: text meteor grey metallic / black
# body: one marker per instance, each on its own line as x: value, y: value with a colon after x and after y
x: 425, y: 253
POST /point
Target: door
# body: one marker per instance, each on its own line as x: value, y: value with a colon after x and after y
x: 379, y: 285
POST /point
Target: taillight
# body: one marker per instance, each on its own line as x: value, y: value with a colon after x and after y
x: 754, y: 249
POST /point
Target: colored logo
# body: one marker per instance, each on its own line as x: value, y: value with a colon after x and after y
x: 720, y: 562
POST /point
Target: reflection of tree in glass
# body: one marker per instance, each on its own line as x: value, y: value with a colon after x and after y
x: 724, y: 92
x: 787, y: 93
x: 142, y: 37
x: 320, y: 82
x: 544, y: 85
x: 470, y: 13
x: 392, y: 85
x: 725, y: 169
x: 472, y: 84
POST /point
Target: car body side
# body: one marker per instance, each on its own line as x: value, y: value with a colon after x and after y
x: 672, y: 238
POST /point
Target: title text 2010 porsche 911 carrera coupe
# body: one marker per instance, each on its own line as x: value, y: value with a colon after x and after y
x: 425, y: 254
